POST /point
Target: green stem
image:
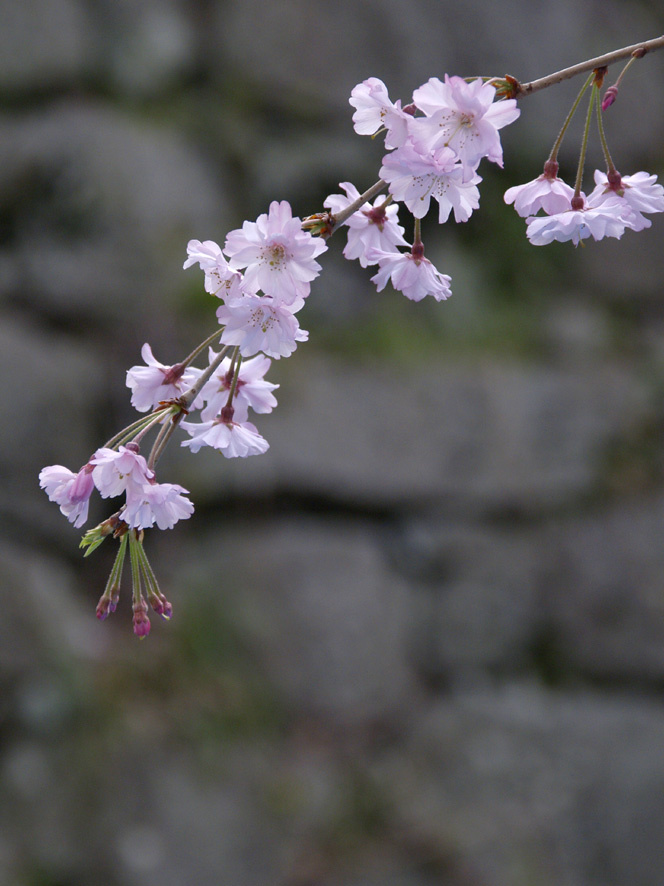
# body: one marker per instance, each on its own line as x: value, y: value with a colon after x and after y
x: 584, y: 143
x: 553, y: 156
x: 161, y: 441
x: 610, y: 167
x: 135, y: 559
x: 116, y: 572
x: 148, y: 573
x: 127, y: 433
x: 201, y: 347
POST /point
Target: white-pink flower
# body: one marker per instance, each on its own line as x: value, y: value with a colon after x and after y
x: 640, y: 192
x: 278, y: 255
x: 260, y: 323
x: 607, y: 220
x: 462, y: 116
x: 232, y: 439
x: 416, y: 177
x: 69, y: 490
x: 374, y: 110
x: 220, y: 279
x: 414, y: 276
x: 251, y: 391
x: 371, y: 226
x: 160, y: 503
x: 206, y: 254
x: 115, y: 472
x: 154, y: 382
x: 550, y: 194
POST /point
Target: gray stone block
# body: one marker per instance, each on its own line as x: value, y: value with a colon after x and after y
x: 537, y: 787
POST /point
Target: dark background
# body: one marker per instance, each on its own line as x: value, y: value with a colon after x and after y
x: 419, y: 642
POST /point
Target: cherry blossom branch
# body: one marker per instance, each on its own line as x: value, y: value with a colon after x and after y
x: 373, y: 191
x: 188, y: 398
x: 519, y: 90
x: 434, y: 148
x: 637, y: 50
x: 185, y: 403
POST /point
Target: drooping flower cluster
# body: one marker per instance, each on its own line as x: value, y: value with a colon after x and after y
x: 608, y: 211
x: 113, y: 473
x: 617, y: 203
x: 257, y: 317
x: 434, y: 148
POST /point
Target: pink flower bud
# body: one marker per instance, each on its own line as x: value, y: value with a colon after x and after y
x: 610, y: 96
x: 107, y: 604
x: 141, y: 621
x: 160, y: 605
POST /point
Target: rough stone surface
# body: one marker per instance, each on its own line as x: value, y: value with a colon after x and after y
x: 609, y: 622
x: 537, y: 787
x: 324, y: 614
x: 477, y: 596
x: 502, y: 435
x: 98, y: 215
x: 44, y: 43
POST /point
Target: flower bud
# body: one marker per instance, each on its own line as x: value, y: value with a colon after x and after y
x: 160, y: 604
x: 610, y: 96
x: 141, y: 621
x: 107, y: 603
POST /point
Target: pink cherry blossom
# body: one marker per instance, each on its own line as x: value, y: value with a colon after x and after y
x: 639, y: 191
x: 260, y: 323
x: 374, y: 110
x: 413, y: 275
x: 160, y: 503
x: 114, y: 472
x: 607, y: 220
x: 207, y: 254
x: 232, y: 439
x: 155, y: 382
x: 69, y: 490
x: 251, y: 391
x: 550, y: 194
x: 371, y: 226
x: 462, y: 116
x: 278, y: 255
x: 416, y: 177
x: 220, y: 279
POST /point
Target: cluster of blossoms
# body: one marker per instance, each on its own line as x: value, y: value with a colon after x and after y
x: 258, y: 321
x: 262, y: 277
x: 435, y: 145
x: 616, y: 203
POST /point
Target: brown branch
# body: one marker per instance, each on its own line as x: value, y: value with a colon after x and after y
x: 638, y: 50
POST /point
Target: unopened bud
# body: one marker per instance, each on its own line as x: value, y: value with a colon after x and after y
x: 141, y: 621
x: 160, y: 604
x: 107, y: 604
x: 610, y: 96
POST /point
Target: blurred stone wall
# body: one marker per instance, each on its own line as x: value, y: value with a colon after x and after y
x: 419, y: 642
